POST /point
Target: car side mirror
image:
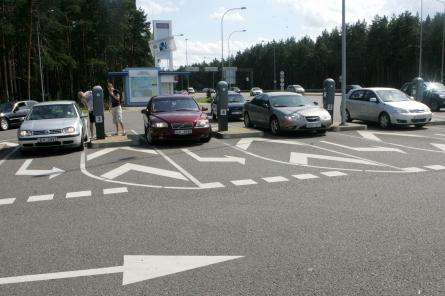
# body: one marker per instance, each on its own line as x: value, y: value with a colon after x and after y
x: 145, y: 111
x: 204, y: 108
x: 265, y: 105
x: 412, y: 98
x: 373, y: 100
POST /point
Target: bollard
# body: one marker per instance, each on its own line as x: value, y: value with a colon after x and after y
x: 329, y: 95
x: 98, y: 106
x: 418, y: 87
x: 222, y: 89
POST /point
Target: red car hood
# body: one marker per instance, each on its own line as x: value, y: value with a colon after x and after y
x: 180, y: 116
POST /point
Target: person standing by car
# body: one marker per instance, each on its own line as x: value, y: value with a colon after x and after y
x: 86, y: 98
x: 115, y: 108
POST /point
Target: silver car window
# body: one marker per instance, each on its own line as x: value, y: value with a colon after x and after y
x: 392, y: 95
x: 52, y: 112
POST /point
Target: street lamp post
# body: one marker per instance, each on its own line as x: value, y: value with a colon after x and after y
x: 421, y: 38
x: 222, y: 36
x: 274, y: 69
x: 443, y: 39
x: 228, y: 42
x: 343, y: 66
x: 187, y: 62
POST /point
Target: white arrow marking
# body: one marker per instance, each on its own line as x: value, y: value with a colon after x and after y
x: 246, y: 142
x: 302, y: 158
x: 367, y: 149
x: 143, y: 169
x: 109, y: 150
x: 8, y: 144
x: 372, y: 135
x: 135, y: 269
x: 23, y: 171
x: 440, y: 146
x: 226, y: 158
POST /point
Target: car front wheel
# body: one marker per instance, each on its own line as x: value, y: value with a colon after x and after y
x: 434, y: 106
x: 274, y: 126
x: 247, y: 122
x: 384, y: 120
x: 4, y: 124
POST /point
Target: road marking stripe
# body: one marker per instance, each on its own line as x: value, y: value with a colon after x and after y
x: 435, y: 167
x: 7, y: 201
x: 275, y: 179
x: 243, y: 182
x: 115, y: 190
x: 40, y: 197
x: 305, y: 176
x: 78, y: 194
x: 333, y: 174
x: 414, y: 170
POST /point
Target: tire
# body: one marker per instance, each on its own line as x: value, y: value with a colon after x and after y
x: 247, y: 121
x: 384, y: 120
x: 4, y: 124
x: 419, y: 125
x: 434, y: 106
x: 274, y: 125
x: 348, y: 116
x: 150, y: 140
x: 82, y: 144
x: 206, y: 139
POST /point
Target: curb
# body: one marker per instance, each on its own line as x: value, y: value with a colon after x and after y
x: 130, y: 141
x: 237, y: 135
x: 436, y: 122
x: 348, y: 127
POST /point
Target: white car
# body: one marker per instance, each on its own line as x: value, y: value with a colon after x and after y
x: 387, y: 106
x: 255, y: 91
x: 191, y: 90
x: 57, y: 124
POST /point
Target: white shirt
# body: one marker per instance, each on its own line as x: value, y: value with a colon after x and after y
x: 89, y: 99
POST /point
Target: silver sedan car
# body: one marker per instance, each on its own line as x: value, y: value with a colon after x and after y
x: 387, y: 106
x: 57, y: 124
x: 285, y: 111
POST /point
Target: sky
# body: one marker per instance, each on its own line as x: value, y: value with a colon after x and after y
x: 263, y: 20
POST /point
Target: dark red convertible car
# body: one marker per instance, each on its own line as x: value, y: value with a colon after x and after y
x: 175, y: 117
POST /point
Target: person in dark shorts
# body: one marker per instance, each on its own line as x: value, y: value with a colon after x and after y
x: 87, y: 99
x: 115, y: 108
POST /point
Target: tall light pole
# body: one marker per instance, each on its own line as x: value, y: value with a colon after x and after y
x: 40, y: 60
x: 443, y: 39
x: 274, y: 69
x: 222, y: 36
x: 343, y: 65
x: 421, y: 38
x: 228, y: 42
x: 187, y: 62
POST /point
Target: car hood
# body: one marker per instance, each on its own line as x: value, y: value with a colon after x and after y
x: 304, y: 111
x: 179, y: 116
x: 45, y: 124
x: 235, y: 105
x: 407, y: 105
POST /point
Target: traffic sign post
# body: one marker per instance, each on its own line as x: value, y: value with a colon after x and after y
x: 282, y: 80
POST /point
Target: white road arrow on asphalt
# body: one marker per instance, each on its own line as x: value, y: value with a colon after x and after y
x: 371, y: 135
x: 135, y: 269
x: 143, y: 169
x: 109, y: 150
x: 245, y: 143
x: 23, y: 171
x: 302, y: 158
x: 440, y: 146
x: 226, y: 158
x: 8, y: 144
x: 367, y: 149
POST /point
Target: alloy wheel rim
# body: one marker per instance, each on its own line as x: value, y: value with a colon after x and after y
x: 384, y: 121
x: 246, y: 120
x: 274, y: 126
x: 4, y: 123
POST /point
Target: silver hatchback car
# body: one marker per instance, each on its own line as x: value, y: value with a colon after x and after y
x: 387, y: 106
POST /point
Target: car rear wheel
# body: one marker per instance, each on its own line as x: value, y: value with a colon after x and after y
x: 247, y: 122
x: 4, y: 124
x: 274, y: 126
x: 384, y: 120
x: 82, y: 143
x: 434, y: 106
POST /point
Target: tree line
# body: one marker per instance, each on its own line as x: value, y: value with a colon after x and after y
x: 382, y: 53
x: 76, y: 42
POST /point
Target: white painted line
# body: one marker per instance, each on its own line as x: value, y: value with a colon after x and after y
x: 226, y: 158
x: 8, y: 155
x: 7, y: 201
x: 435, y: 167
x: 413, y: 170
x: 78, y: 194
x: 275, y: 179
x: 440, y: 146
x: 115, y: 190
x: 333, y: 174
x: 305, y: 176
x: 245, y: 143
x: 40, y: 197
x: 303, y: 158
x: 105, y: 151
x: 243, y: 182
x: 367, y: 149
x: 125, y: 168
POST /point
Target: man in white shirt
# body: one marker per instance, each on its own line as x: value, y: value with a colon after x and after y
x: 87, y: 99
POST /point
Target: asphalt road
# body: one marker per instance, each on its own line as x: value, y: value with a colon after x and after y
x: 350, y: 213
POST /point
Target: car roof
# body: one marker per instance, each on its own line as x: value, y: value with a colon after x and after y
x: 231, y: 92
x: 55, y: 103
x: 281, y: 93
x: 174, y: 96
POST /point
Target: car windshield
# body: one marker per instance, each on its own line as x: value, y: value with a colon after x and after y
x: 256, y: 88
x: 52, y: 112
x: 289, y: 101
x: 6, y: 107
x: 236, y: 99
x: 174, y: 104
x: 392, y: 95
x: 435, y: 86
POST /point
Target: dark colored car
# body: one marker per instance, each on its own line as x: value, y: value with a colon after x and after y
x: 234, y: 105
x: 13, y: 114
x: 235, y: 89
x: 175, y: 117
x: 433, y: 94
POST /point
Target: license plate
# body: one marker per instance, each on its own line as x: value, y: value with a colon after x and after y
x: 313, y: 124
x: 183, y: 132
x: 47, y: 140
x: 236, y: 112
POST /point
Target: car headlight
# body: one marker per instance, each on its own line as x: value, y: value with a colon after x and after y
x: 400, y: 110
x: 326, y: 116
x: 292, y: 117
x: 25, y: 133
x: 202, y: 123
x: 442, y: 96
x: 69, y: 130
x: 159, y: 124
